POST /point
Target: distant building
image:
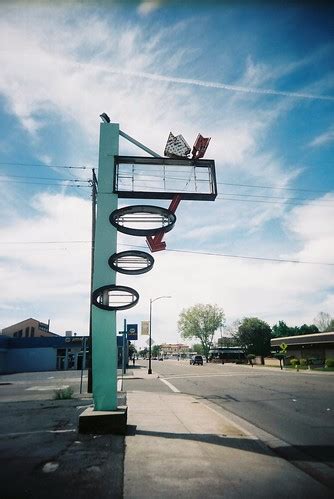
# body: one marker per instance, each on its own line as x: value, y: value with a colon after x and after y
x: 174, y: 349
x: 53, y: 353
x: 29, y: 328
x: 42, y: 354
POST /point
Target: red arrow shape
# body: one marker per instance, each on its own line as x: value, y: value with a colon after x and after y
x: 156, y: 243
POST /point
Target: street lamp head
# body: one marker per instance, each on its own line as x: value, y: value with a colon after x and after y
x: 105, y: 118
x: 158, y: 298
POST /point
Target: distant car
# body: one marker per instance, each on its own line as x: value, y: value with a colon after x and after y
x: 196, y: 360
x: 161, y: 358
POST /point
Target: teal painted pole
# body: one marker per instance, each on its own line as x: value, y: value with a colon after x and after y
x: 104, y: 351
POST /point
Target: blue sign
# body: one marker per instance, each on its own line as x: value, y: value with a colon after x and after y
x: 132, y: 331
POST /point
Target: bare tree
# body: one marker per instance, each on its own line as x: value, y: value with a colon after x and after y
x: 322, y: 321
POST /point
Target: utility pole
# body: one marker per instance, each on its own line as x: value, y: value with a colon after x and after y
x: 94, y: 190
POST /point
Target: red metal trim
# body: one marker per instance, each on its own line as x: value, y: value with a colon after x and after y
x: 155, y: 243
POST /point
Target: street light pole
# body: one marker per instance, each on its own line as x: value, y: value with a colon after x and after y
x: 150, y: 337
x: 150, y: 342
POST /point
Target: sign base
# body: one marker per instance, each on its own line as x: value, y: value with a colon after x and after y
x: 104, y: 422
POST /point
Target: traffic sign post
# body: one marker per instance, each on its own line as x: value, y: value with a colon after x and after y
x: 132, y: 332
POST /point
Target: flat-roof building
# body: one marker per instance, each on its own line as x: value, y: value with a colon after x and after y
x: 319, y: 345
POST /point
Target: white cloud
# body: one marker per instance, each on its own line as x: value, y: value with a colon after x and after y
x: 148, y: 6
x: 323, y: 139
x: 53, y: 278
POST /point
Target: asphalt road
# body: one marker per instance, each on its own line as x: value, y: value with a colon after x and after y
x: 39, y: 385
x: 297, y: 407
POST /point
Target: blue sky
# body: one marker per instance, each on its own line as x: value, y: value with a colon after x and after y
x: 258, y: 80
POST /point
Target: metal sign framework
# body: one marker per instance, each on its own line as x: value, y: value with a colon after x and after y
x: 107, y: 297
x: 143, y: 177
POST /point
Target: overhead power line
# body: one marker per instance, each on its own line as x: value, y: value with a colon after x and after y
x: 206, y: 253
x: 4, y: 163
x: 46, y: 178
x: 81, y: 241
x: 243, y: 257
x: 283, y: 202
x: 43, y: 183
x: 176, y: 178
x: 273, y: 187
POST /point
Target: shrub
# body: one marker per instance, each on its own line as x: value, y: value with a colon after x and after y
x: 329, y: 363
x: 63, y: 393
x: 303, y: 362
x: 312, y: 360
x: 295, y: 362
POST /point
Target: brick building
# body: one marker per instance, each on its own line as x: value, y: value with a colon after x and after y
x: 29, y: 328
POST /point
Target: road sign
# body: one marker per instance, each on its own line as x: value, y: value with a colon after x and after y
x: 148, y: 341
x: 132, y: 331
x: 283, y: 347
x: 145, y: 328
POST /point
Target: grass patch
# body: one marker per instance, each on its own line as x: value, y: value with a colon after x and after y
x: 63, y: 393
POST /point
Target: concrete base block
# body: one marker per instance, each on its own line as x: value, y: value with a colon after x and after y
x: 104, y: 422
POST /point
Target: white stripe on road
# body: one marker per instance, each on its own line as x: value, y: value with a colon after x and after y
x: 46, y: 388
x: 181, y: 376
x: 172, y: 387
x: 4, y: 435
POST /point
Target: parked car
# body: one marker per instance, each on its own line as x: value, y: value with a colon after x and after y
x: 161, y: 358
x: 196, y: 360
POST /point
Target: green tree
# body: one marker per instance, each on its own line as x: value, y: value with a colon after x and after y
x: 132, y: 350
x: 254, y: 335
x: 311, y: 329
x: 281, y: 329
x: 198, y: 348
x: 143, y: 353
x: 201, y: 322
x: 155, y: 350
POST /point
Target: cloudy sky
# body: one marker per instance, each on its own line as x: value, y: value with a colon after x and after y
x: 258, y: 80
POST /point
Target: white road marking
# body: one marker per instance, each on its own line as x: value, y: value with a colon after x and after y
x: 214, y: 375
x: 19, y: 433
x: 46, y: 388
x: 172, y: 387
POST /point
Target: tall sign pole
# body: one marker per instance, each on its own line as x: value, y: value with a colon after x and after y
x: 104, y: 342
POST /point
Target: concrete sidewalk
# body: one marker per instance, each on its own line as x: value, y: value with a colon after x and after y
x: 177, y: 446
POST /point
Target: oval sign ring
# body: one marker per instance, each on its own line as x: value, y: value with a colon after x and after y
x: 114, y: 297
x: 131, y: 262
x: 152, y: 219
